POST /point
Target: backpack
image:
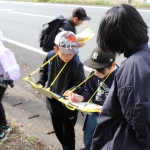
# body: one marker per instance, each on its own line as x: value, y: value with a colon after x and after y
x: 48, y: 33
x: 75, y: 64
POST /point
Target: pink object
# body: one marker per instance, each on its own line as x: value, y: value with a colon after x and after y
x: 8, y: 65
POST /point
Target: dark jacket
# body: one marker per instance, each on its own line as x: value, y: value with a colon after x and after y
x: 124, y: 122
x: 93, y: 83
x: 68, y: 25
x: 64, y: 82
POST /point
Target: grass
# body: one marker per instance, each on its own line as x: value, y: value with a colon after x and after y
x: 135, y: 3
x: 18, y: 139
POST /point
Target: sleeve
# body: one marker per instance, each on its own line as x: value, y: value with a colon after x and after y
x: 10, y: 66
x: 43, y: 73
x: 135, y: 104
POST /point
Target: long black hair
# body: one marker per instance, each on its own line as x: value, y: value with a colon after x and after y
x: 121, y: 28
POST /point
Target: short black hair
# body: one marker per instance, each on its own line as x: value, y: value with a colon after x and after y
x: 121, y: 28
x: 56, y: 46
x: 101, y: 70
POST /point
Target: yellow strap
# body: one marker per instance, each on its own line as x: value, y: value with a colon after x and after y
x: 58, y: 75
x: 84, y: 26
x: 98, y: 87
x: 43, y: 65
x: 82, y: 82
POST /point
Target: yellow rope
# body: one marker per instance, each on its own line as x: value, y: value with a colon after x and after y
x: 83, y: 82
x: 98, y: 87
x: 43, y: 65
x: 84, y: 26
x: 58, y: 75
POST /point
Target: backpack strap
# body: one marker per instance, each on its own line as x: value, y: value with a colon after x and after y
x: 67, y: 25
x: 50, y: 54
x: 76, y: 63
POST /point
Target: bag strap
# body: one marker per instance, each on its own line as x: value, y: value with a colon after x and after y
x: 50, y: 55
x: 76, y: 63
x: 99, y: 87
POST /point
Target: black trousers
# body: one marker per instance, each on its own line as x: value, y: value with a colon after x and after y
x: 64, y: 130
x: 3, y: 120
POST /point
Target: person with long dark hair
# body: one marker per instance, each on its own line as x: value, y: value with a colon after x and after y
x: 124, y: 122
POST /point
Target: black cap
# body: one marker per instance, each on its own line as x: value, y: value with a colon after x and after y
x: 80, y: 13
x: 99, y: 59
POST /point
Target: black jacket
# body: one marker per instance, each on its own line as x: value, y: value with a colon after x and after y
x: 64, y: 82
x: 68, y: 25
x: 93, y: 83
x: 124, y: 122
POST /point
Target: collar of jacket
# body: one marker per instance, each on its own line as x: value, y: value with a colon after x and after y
x: 71, y: 20
x: 135, y: 49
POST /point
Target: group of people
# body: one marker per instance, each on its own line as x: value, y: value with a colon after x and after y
x: 124, y: 121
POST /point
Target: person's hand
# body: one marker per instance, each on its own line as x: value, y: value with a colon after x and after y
x: 67, y: 93
x: 99, y: 109
x: 81, y: 44
x: 73, y: 97
x: 8, y: 82
x: 41, y: 86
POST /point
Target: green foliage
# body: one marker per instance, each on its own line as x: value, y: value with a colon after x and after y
x: 96, y: 2
x: 31, y: 139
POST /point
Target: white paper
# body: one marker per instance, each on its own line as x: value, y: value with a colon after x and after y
x: 81, y: 105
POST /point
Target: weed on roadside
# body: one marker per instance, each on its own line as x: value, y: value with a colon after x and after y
x: 18, y: 140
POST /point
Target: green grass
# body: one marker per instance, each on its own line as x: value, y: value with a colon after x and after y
x: 94, y: 2
x: 18, y: 139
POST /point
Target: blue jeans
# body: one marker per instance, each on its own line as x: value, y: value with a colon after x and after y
x: 91, y: 122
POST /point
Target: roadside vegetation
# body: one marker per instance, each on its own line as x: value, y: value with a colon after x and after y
x: 19, y: 139
x: 135, y: 3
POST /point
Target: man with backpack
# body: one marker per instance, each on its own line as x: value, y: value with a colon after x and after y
x: 58, y: 24
x: 78, y: 16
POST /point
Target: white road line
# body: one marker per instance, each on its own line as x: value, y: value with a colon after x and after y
x: 34, y: 49
x: 28, y: 14
x: 24, y: 46
x: 6, y: 9
x: 19, y: 2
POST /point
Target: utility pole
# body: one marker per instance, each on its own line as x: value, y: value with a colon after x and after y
x: 129, y: 2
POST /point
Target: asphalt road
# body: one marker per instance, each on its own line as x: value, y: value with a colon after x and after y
x: 21, y: 22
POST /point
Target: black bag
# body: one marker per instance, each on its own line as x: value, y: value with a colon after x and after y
x: 49, y: 32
